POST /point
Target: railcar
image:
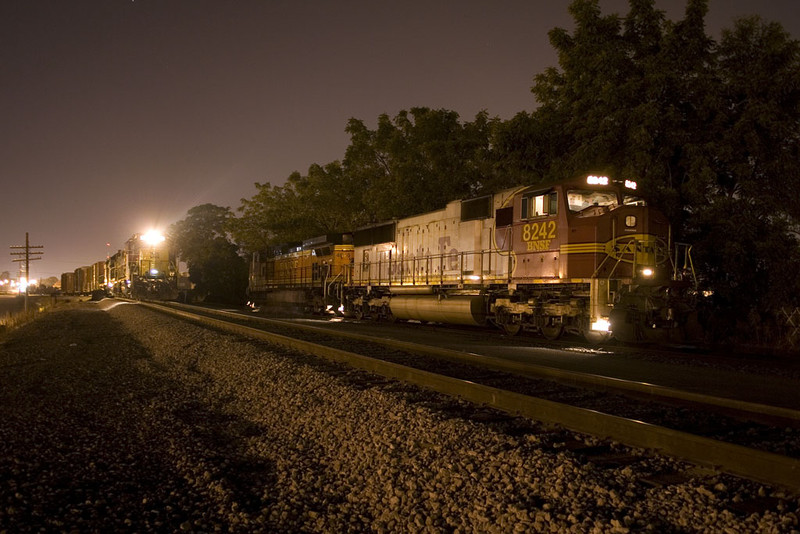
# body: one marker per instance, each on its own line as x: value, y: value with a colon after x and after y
x: 585, y: 256
x: 310, y: 275
x: 68, y: 283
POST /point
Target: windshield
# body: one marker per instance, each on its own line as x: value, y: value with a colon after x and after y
x: 580, y: 199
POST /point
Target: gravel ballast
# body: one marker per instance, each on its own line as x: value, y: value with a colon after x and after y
x: 116, y: 418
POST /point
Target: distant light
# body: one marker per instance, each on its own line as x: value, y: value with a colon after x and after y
x: 154, y: 272
x: 153, y: 237
x: 647, y: 271
x: 597, y: 180
x: 630, y: 184
x: 601, y: 325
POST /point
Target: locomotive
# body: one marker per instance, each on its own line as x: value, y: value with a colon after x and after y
x: 146, y: 268
x: 586, y: 256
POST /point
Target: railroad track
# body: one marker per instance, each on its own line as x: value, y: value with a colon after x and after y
x: 555, y: 397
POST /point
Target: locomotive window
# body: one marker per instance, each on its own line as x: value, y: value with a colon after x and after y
x: 539, y: 205
x: 631, y: 200
x: 580, y: 199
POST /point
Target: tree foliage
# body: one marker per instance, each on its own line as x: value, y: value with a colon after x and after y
x: 418, y: 161
x: 710, y: 130
x: 215, y: 267
x: 412, y: 163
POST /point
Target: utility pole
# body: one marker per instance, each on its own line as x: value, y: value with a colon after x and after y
x: 26, y: 256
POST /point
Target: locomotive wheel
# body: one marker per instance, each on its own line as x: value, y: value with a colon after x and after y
x: 512, y: 329
x: 596, y: 337
x: 553, y: 332
x: 504, y: 320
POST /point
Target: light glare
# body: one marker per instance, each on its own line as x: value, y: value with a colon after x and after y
x: 153, y: 237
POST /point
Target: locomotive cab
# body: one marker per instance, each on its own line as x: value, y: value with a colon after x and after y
x: 576, y: 247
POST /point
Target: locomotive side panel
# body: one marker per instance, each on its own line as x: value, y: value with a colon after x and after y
x: 536, y: 234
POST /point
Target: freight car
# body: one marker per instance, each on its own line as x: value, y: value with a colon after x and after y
x: 585, y: 256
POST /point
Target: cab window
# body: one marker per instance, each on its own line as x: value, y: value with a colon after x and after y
x: 631, y: 200
x: 580, y: 199
x: 539, y: 205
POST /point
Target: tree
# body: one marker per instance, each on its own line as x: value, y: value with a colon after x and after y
x: 418, y: 161
x: 324, y: 201
x: 215, y: 267
x: 710, y: 131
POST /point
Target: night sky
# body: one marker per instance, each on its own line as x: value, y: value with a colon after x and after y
x: 117, y: 116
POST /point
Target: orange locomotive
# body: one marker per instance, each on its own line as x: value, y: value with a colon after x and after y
x: 584, y: 256
x: 310, y: 275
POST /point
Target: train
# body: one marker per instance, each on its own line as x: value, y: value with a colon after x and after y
x: 587, y: 257
x: 145, y: 268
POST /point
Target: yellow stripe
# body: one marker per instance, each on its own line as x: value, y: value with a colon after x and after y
x: 583, y: 248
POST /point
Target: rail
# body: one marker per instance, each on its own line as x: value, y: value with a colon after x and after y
x: 738, y: 460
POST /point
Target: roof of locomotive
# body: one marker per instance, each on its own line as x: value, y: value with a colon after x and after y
x: 480, y: 207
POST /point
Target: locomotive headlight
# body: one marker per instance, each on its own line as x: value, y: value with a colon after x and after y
x: 647, y: 272
x: 153, y: 237
x: 601, y: 325
x: 154, y: 272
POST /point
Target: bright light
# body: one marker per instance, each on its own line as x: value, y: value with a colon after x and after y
x: 153, y: 272
x: 601, y: 325
x: 647, y: 271
x: 597, y: 180
x: 630, y: 184
x: 153, y: 237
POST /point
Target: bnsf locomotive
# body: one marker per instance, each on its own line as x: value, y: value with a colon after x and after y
x: 145, y: 269
x: 585, y: 257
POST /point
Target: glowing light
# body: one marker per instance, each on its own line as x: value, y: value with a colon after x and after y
x: 153, y: 237
x: 154, y: 272
x: 647, y: 271
x: 597, y: 180
x: 630, y: 184
x: 601, y: 325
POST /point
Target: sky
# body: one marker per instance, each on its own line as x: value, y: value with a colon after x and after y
x: 118, y: 116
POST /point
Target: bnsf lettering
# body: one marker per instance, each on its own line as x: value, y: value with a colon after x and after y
x: 538, y: 235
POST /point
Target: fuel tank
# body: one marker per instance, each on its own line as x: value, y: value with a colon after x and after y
x: 467, y: 310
